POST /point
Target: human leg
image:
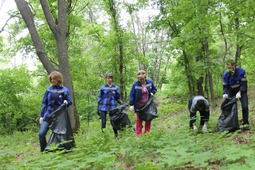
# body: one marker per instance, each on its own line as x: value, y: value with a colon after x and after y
x: 42, y: 135
x: 204, y: 117
x: 147, y: 126
x: 192, y: 119
x: 245, y: 108
x: 139, y: 126
x: 103, y: 119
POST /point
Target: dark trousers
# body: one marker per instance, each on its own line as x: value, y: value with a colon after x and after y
x: 204, y: 116
x: 244, y: 104
x: 103, y: 120
x: 245, y: 108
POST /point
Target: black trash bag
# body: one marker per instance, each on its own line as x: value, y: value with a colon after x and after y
x: 228, y: 120
x: 119, y: 118
x: 62, y: 134
x: 148, y: 111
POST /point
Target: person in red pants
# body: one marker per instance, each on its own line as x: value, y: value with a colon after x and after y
x: 140, y: 93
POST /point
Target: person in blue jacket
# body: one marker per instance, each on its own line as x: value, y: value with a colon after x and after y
x: 55, y: 95
x: 140, y: 93
x: 201, y: 104
x: 235, y: 85
x: 108, y: 94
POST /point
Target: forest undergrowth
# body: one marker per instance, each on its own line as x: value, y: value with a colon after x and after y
x: 169, y: 145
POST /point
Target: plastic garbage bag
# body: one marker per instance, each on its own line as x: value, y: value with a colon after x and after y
x: 149, y: 111
x: 62, y: 134
x: 119, y: 118
x: 228, y: 120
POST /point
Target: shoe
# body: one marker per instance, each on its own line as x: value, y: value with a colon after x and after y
x: 195, y: 128
x: 204, y: 129
x: 246, y: 127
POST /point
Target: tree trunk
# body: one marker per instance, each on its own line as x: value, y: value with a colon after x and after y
x: 188, y: 74
x: 28, y: 18
x: 119, y: 35
x: 238, y: 47
x: 59, y: 30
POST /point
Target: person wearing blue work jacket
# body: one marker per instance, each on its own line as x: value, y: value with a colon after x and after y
x: 55, y: 95
x: 141, y: 91
x: 235, y: 85
x: 108, y: 95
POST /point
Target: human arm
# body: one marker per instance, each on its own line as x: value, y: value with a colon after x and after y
x: 132, y: 98
x: 243, y: 82
x: 67, y: 100
x: 153, y: 88
x: 225, y: 84
x: 117, y: 96
x: 44, y: 104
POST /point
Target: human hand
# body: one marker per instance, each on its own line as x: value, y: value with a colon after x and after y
x: 225, y: 96
x: 65, y: 102
x: 238, y: 95
x: 131, y: 108
x: 40, y: 120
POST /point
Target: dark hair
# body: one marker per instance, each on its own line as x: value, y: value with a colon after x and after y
x: 230, y: 61
x: 200, y: 105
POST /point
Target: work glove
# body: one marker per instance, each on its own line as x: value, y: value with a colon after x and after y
x: 65, y: 102
x: 40, y: 120
x: 225, y: 96
x: 131, y: 108
x: 238, y: 95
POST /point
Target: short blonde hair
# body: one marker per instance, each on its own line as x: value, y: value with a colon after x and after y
x: 140, y: 72
x: 58, y: 76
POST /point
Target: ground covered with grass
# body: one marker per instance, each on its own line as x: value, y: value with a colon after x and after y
x: 169, y: 145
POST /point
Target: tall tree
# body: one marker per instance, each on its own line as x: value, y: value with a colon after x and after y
x: 118, y: 33
x: 59, y: 30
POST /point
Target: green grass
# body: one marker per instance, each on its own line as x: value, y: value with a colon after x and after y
x: 169, y: 145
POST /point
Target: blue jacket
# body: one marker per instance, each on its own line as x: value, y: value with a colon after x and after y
x: 234, y: 83
x: 136, y: 93
x: 107, y: 96
x: 53, y: 98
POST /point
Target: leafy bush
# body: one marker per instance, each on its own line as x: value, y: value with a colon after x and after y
x: 17, y: 103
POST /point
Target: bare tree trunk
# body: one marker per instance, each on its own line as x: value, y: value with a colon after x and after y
x: 238, y: 47
x: 200, y: 90
x: 209, y: 73
x: 119, y: 35
x: 188, y: 74
x: 59, y: 31
x: 28, y: 18
x: 224, y: 38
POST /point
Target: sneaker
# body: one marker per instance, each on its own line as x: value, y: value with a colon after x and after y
x: 204, y: 129
x: 195, y: 128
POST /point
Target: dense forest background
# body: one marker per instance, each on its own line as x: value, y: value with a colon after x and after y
x: 181, y: 44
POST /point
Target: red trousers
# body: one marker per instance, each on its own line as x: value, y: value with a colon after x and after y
x: 139, y: 126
